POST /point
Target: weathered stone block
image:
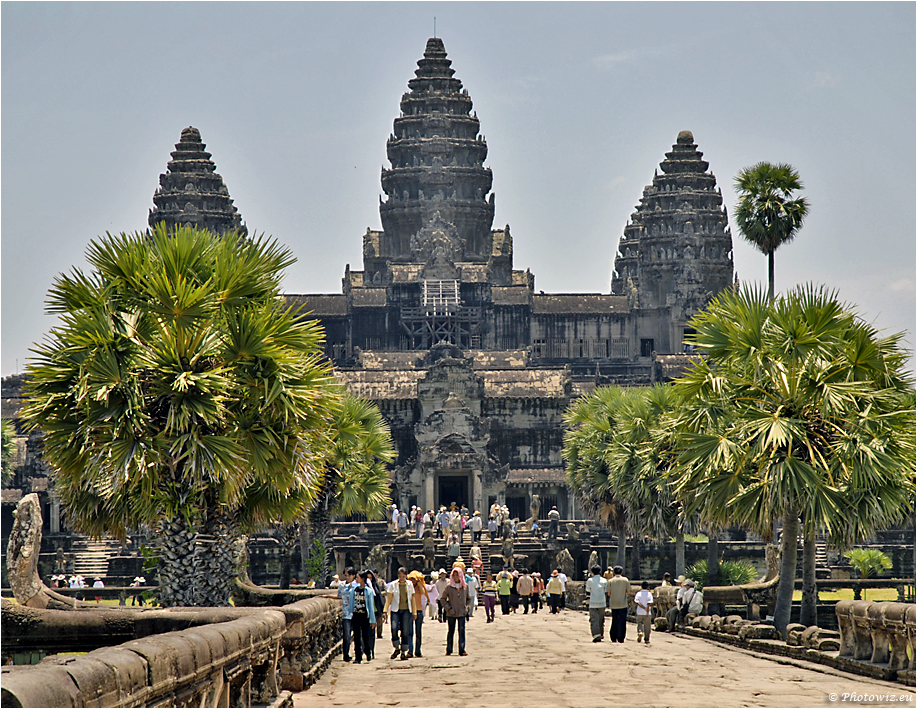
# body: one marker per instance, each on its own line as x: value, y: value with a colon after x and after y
x: 828, y: 644
x: 38, y: 686
x: 757, y: 631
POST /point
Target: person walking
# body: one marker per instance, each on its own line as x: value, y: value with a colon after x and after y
x: 524, y: 587
x: 554, y: 522
x: 554, y: 589
x: 492, y: 528
x: 378, y: 589
x: 421, y: 599
x: 442, y: 580
x: 597, y: 589
x: 399, y: 603
x: 394, y: 519
x: 504, y: 587
x: 477, y: 526
x: 537, y: 588
x: 473, y: 585
x: 563, y: 582
x: 490, y: 596
x: 345, y: 592
x: 363, y: 619
x: 453, y: 548
x: 514, y: 592
x: 644, y: 603
x: 618, y: 588
x: 456, y: 604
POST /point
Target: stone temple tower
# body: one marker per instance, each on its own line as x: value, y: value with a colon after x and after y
x: 676, y: 251
x: 437, y: 168
x: 191, y: 192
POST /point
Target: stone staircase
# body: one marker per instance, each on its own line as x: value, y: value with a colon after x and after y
x: 90, y: 556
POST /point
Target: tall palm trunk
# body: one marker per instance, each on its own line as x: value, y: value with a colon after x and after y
x: 621, y: 556
x: 808, y: 613
x: 787, y: 570
x: 770, y: 276
x: 713, y: 569
x: 286, y: 537
x: 679, y: 553
x: 320, y: 525
x: 215, y: 560
x: 305, y: 543
x: 635, y: 572
x: 176, y: 548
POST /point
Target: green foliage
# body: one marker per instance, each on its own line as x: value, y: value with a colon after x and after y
x: 315, y: 561
x: 7, y: 450
x: 179, y: 385
x: 765, y: 214
x: 869, y: 562
x: 732, y: 573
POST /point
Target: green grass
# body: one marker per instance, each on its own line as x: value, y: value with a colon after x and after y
x: 846, y: 594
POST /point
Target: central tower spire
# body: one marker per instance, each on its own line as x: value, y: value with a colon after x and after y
x: 437, y: 165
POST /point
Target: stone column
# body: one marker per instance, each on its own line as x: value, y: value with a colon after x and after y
x: 340, y: 563
x: 477, y: 490
x: 429, y: 478
x: 55, y: 516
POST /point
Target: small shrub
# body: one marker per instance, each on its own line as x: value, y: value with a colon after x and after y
x: 732, y: 573
x: 869, y: 562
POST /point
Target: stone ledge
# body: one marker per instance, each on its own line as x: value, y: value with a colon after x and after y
x: 830, y: 659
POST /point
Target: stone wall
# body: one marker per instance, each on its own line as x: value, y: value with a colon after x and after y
x: 174, y: 657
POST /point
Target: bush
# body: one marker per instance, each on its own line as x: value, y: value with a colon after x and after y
x: 869, y: 562
x: 732, y: 573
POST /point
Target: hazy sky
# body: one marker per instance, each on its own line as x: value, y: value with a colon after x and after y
x: 578, y: 104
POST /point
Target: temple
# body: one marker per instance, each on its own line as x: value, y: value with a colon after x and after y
x: 192, y: 193
x: 471, y: 366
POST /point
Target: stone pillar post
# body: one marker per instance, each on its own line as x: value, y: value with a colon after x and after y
x: 429, y: 502
x: 477, y: 490
x: 55, y: 516
x: 340, y: 563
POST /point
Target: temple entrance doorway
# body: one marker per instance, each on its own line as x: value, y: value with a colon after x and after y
x: 453, y: 488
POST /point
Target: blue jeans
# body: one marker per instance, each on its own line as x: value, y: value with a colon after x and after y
x: 418, y: 632
x: 348, y: 624
x: 450, y: 634
x: 403, y: 623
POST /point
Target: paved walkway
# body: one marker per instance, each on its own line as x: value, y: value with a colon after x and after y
x: 550, y: 661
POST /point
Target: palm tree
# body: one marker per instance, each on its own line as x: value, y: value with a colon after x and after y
x: 795, y: 411
x: 180, y: 391
x: 7, y: 450
x: 766, y: 214
x: 590, y: 426
x: 354, y: 476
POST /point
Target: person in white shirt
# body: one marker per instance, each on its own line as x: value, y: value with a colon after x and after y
x: 596, y: 588
x: 563, y: 582
x: 400, y: 604
x: 644, y: 603
x: 671, y: 615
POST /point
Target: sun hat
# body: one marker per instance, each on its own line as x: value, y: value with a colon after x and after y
x: 689, y: 582
x: 680, y: 579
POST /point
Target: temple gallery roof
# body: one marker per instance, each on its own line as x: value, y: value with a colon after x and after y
x: 579, y: 303
x: 553, y: 476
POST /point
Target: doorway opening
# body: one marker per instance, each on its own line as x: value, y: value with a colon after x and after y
x: 453, y: 488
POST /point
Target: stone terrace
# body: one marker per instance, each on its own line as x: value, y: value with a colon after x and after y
x: 550, y: 661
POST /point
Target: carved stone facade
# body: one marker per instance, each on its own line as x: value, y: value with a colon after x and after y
x: 472, y: 366
x: 192, y: 193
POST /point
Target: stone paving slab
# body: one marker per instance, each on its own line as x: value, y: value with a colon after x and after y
x: 550, y: 661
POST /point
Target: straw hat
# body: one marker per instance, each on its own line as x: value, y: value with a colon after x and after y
x: 680, y: 579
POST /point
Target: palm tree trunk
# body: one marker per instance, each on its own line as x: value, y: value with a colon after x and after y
x: 176, y: 547
x: 770, y: 276
x: 215, y: 560
x: 679, y: 553
x: 622, y: 549
x: 305, y: 543
x: 635, y: 572
x: 713, y: 569
x: 320, y: 525
x: 713, y: 559
x: 808, y: 614
x: 787, y: 570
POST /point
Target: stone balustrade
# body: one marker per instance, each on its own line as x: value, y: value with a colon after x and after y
x: 879, y: 632
x: 169, y: 657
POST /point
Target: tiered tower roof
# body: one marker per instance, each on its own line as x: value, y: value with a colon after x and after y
x: 191, y: 192
x: 676, y: 250
x: 437, y: 165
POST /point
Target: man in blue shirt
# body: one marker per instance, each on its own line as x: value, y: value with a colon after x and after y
x: 345, y: 593
x: 596, y: 587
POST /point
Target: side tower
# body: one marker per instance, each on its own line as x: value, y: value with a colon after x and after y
x: 191, y: 192
x: 676, y: 251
